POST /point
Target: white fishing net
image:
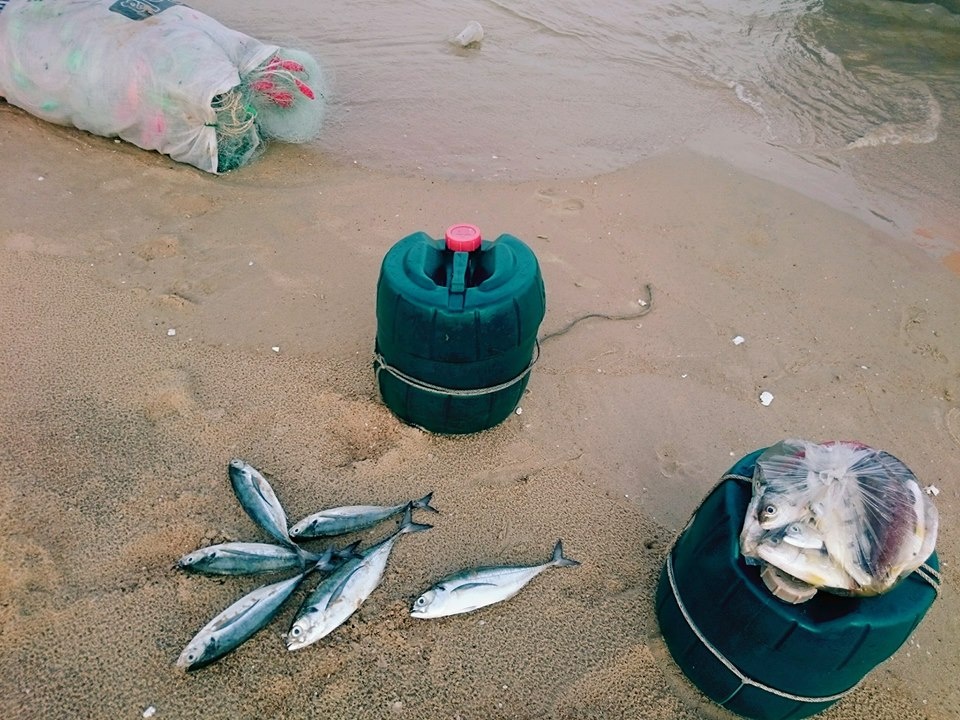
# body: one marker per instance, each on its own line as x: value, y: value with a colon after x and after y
x: 158, y: 74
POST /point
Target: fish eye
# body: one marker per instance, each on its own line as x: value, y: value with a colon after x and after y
x: 770, y: 510
x: 421, y: 600
x: 795, y: 529
x: 295, y: 631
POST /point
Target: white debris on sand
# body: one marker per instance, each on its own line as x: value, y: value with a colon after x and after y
x: 766, y: 397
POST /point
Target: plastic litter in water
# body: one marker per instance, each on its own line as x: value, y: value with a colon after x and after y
x: 470, y: 35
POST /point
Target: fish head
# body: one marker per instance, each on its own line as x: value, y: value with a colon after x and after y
x: 429, y: 603
x: 190, y: 560
x: 777, y: 509
x: 770, y: 511
x: 800, y: 534
x: 803, y: 534
x: 812, y: 565
x: 298, y: 635
x: 198, y: 653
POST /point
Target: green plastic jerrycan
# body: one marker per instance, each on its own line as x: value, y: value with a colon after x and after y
x: 457, y: 323
x: 758, y: 656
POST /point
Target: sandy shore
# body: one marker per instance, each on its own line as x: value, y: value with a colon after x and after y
x: 115, y: 434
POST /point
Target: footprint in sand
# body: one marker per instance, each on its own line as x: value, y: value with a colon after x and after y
x: 170, y: 394
x: 666, y: 459
x: 160, y: 246
x: 953, y: 424
x: 671, y: 466
x: 916, y: 334
x: 21, y: 242
x: 558, y: 204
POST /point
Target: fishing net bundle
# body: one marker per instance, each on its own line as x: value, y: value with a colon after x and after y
x: 160, y: 75
x: 273, y: 101
x: 839, y: 516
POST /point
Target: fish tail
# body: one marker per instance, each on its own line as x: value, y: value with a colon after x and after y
x: 408, y: 525
x: 349, y: 552
x: 322, y: 562
x: 424, y: 503
x: 558, y: 560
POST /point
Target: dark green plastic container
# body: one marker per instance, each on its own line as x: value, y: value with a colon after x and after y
x: 457, y: 323
x: 815, y: 651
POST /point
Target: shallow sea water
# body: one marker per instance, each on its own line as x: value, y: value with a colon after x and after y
x: 864, y: 89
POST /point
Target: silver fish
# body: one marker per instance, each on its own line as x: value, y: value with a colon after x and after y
x: 351, y: 518
x: 258, y: 500
x: 813, y: 566
x: 469, y: 590
x: 242, y: 558
x: 845, y: 504
x: 237, y: 623
x: 803, y: 535
x: 338, y: 596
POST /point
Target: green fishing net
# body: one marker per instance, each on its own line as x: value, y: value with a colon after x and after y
x: 281, y: 99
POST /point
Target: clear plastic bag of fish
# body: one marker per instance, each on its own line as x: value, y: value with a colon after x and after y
x: 157, y: 74
x: 838, y: 516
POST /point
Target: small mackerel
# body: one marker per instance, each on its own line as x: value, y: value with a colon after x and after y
x: 243, y: 558
x: 475, y: 588
x: 338, y: 596
x: 258, y: 500
x: 237, y: 623
x: 351, y: 518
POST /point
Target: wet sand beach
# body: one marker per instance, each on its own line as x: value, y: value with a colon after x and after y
x: 115, y: 434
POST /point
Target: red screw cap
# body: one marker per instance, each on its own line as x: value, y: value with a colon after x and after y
x: 463, y: 238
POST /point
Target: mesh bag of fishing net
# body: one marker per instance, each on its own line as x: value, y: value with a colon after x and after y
x: 158, y: 74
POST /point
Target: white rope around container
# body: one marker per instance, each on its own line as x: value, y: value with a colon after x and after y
x: 744, y: 680
x: 382, y: 364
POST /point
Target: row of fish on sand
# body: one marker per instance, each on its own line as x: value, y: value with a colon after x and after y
x: 348, y: 575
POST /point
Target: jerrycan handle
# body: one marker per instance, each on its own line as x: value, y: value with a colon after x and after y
x: 461, y: 240
x: 458, y: 273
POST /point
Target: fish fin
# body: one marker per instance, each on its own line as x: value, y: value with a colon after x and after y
x: 350, y: 552
x: 559, y: 560
x: 343, y: 583
x: 408, y: 525
x: 470, y: 586
x: 321, y: 562
x: 424, y: 503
